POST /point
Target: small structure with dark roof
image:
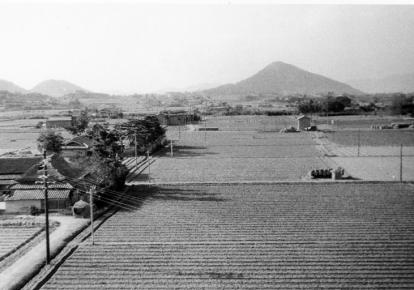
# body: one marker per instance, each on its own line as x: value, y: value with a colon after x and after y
x: 303, y: 122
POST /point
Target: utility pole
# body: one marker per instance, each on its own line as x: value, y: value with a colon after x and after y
x: 205, y: 129
x: 149, y: 165
x: 171, y: 148
x: 91, y: 192
x: 359, y: 140
x: 45, y: 187
x: 135, y: 145
x: 401, y: 163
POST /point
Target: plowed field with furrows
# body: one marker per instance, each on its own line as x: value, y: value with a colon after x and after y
x: 284, y: 236
x: 13, y: 237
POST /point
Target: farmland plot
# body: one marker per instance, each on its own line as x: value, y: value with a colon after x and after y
x: 250, y: 123
x: 357, y: 121
x: 285, y: 236
x: 373, y: 137
x: 12, y: 237
x: 378, y: 156
x: 235, y: 156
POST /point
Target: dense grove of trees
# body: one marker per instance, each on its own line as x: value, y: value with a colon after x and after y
x: 145, y: 131
x: 397, y: 104
x: 402, y: 104
x: 80, y: 124
x: 328, y: 104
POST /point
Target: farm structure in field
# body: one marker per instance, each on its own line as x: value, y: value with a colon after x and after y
x: 303, y: 122
x: 274, y: 236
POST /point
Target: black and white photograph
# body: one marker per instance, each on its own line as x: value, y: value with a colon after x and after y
x: 206, y: 144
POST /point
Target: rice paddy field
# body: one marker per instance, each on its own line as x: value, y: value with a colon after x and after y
x: 224, y: 156
x: 359, y: 121
x: 274, y: 236
x: 249, y: 123
x: 373, y: 137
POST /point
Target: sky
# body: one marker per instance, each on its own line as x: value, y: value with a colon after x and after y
x: 133, y: 47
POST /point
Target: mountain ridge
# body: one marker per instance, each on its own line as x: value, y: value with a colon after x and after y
x: 56, y: 88
x: 283, y: 78
x: 11, y: 87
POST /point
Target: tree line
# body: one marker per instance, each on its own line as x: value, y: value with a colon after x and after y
x: 104, y: 158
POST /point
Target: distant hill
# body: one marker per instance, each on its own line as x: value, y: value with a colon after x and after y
x: 11, y: 87
x: 403, y: 83
x: 56, y: 88
x: 282, y: 78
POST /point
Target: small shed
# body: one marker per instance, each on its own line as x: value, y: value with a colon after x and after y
x: 303, y: 122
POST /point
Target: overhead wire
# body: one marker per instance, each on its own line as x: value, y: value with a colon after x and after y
x: 113, y: 192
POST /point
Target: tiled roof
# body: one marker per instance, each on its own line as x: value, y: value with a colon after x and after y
x: 83, y: 140
x: 7, y: 181
x: 10, y: 176
x: 40, y: 186
x: 59, y: 119
x: 36, y: 194
x: 17, y: 165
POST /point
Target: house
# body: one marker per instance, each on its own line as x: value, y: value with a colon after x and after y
x: 59, y: 122
x: 174, y: 118
x: 303, y: 122
x: 12, y: 168
x: 77, y: 147
x: 25, y: 197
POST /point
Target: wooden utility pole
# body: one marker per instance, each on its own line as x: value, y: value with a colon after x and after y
x: 45, y: 187
x: 205, y: 129
x: 359, y: 140
x: 135, y: 145
x: 149, y: 165
x: 401, y: 163
x: 91, y: 192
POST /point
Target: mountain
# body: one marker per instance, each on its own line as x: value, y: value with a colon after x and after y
x: 282, y: 78
x: 56, y: 88
x: 200, y: 87
x: 11, y: 87
x: 403, y: 83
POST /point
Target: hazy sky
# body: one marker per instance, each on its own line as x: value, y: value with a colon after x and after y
x: 129, y: 47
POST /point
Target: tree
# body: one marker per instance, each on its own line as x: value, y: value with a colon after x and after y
x: 80, y: 124
x: 144, y: 131
x: 50, y: 141
x: 106, y: 141
x: 402, y: 104
x: 75, y: 104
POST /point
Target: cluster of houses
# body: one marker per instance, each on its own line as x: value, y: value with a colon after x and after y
x: 20, y: 190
